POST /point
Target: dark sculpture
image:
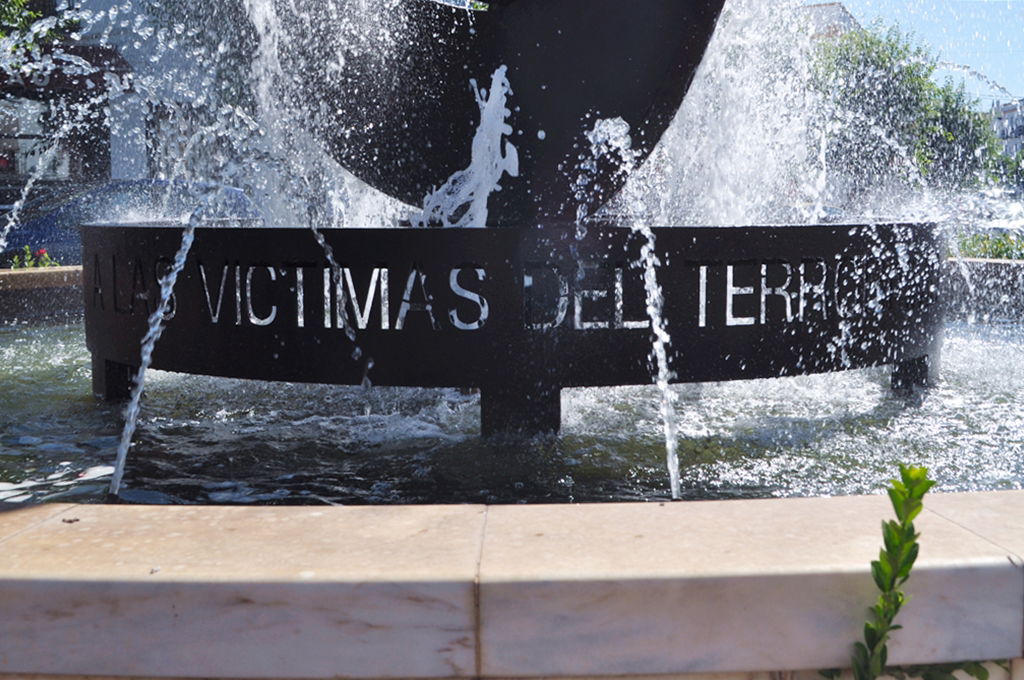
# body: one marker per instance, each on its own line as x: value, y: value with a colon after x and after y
x: 404, y: 122
x: 523, y: 311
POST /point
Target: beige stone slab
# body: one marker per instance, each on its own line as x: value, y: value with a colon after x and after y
x: 704, y: 538
x: 40, y: 277
x: 210, y: 543
x: 731, y: 586
x: 1017, y: 669
x: 995, y: 515
x: 243, y: 592
x: 17, y: 517
x: 996, y: 672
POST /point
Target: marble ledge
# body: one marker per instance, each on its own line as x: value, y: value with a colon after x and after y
x: 732, y: 586
x: 16, y: 518
x: 1013, y: 670
x: 698, y: 591
x: 227, y: 592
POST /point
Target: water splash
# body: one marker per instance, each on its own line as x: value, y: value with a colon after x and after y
x: 462, y: 200
x: 737, y: 151
x: 976, y: 75
x: 610, y: 141
x: 754, y: 141
x: 78, y: 116
x: 475, y: 5
x: 299, y: 180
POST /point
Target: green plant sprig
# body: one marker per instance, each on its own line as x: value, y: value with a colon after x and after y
x: 891, y: 570
x: 28, y: 259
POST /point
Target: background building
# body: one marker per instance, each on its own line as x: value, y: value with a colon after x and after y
x: 1008, y: 123
x: 60, y: 98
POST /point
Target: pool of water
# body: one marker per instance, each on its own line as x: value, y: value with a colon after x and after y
x: 205, y: 440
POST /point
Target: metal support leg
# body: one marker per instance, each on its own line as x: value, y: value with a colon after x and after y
x: 912, y: 374
x: 112, y: 381
x: 505, y: 410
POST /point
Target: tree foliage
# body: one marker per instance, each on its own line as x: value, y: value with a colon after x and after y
x: 958, y: 146
x: 15, y: 15
x: 20, y: 21
x: 1009, y: 171
x: 889, y: 120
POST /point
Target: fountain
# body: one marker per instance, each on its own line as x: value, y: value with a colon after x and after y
x: 562, y: 289
x: 544, y: 300
x: 564, y: 298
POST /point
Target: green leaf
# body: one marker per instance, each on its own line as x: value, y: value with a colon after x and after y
x: 975, y: 670
x: 898, y: 498
x: 938, y: 675
x: 911, y: 509
x: 860, y: 662
x: 897, y: 602
x: 907, y: 564
x: 871, y: 636
x: 892, y: 536
x: 876, y: 665
x: 882, y: 575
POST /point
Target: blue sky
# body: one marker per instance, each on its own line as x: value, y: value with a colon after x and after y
x: 986, y: 35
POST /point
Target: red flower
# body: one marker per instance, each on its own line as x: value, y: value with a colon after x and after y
x: 41, y: 252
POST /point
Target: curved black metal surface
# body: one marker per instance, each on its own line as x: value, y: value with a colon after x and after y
x: 519, y: 312
x: 404, y: 120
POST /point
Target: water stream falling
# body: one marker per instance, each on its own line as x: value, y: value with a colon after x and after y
x: 155, y: 330
x: 610, y: 142
x: 975, y: 75
x: 660, y: 347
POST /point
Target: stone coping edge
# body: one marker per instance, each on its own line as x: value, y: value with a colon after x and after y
x: 41, y: 294
x: 40, y: 277
x: 604, y: 590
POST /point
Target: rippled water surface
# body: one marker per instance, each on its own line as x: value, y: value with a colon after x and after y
x: 205, y: 440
